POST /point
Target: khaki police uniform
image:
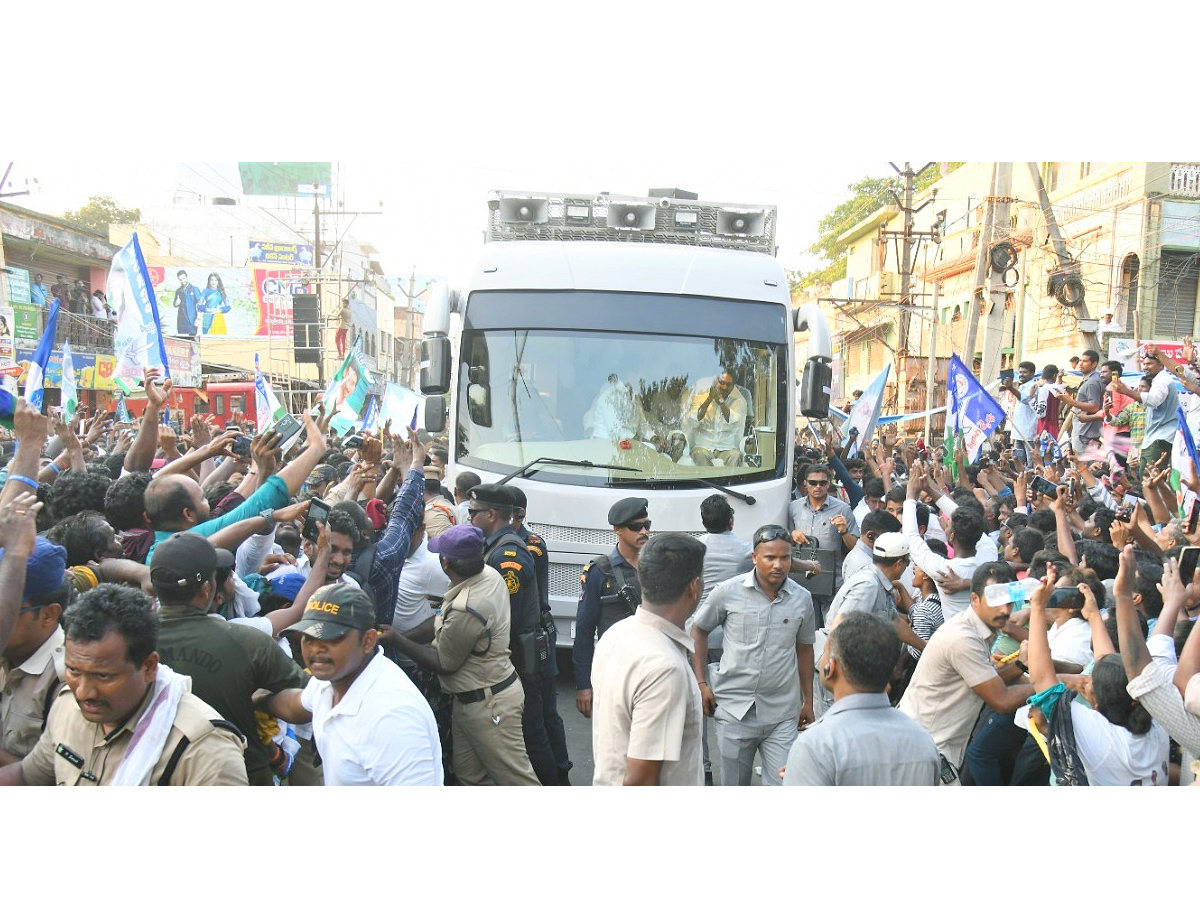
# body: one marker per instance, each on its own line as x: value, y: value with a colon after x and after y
x: 73, y: 751
x: 26, y: 692
x: 470, y: 635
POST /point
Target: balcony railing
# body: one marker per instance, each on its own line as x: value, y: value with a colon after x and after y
x: 1185, y: 179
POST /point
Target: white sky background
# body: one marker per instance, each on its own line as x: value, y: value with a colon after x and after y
x: 750, y: 104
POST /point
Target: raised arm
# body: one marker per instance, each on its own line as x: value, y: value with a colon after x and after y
x: 298, y: 469
x: 141, y: 453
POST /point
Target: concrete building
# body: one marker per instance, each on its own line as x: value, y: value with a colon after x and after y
x: 1132, y: 229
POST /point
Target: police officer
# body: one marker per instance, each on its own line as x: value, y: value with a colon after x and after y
x: 556, y: 731
x: 115, y: 687
x: 610, y: 591
x: 490, y: 508
x: 470, y: 655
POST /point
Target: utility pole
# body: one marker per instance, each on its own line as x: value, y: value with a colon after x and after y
x: 908, y: 242
x: 993, y: 334
x: 411, y: 296
x: 1073, y: 289
x: 981, y: 270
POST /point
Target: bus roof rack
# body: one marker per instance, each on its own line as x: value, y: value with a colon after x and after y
x: 539, y: 216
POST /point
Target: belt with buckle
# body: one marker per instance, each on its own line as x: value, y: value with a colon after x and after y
x: 482, y: 693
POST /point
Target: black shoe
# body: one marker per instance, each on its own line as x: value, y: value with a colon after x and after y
x: 708, y: 779
x: 563, y: 780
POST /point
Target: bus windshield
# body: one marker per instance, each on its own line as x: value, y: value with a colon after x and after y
x: 669, y: 407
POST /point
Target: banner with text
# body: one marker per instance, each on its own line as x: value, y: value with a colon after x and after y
x: 269, y: 253
x: 228, y: 303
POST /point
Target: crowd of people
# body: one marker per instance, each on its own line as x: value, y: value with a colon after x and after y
x: 217, y: 606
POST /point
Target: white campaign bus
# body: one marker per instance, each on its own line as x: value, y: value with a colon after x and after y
x: 591, y: 333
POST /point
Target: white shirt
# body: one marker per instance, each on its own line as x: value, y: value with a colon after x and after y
x: 382, y: 732
x: 421, y: 578
x: 1114, y: 756
x: 1071, y: 642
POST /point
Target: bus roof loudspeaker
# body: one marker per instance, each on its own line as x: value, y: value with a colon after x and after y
x: 742, y: 223
x: 524, y: 211
x: 632, y: 216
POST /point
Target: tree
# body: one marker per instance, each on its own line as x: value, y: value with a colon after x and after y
x: 100, y: 212
x: 867, y: 196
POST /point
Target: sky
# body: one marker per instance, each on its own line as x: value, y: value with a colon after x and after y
x: 434, y: 211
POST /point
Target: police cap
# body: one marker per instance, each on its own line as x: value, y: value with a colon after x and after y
x: 492, y: 495
x: 627, y: 510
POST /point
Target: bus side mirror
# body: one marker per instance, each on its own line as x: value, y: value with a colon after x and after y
x: 435, y: 414
x: 435, y: 365
x: 814, y: 395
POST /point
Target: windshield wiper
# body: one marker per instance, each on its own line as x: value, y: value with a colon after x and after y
x: 574, y: 463
x: 745, y: 498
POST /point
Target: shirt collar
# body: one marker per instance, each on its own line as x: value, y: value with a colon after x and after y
x: 788, y: 588
x: 858, y: 701
x: 42, y: 656
x: 670, y: 629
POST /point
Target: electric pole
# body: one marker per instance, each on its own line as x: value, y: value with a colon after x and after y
x: 981, y: 271
x: 908, y: 243
x: 995, y: 293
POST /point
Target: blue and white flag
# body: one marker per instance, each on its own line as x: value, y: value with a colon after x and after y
x: 35, y: 379
x: 973, y: 411
x: 138, y: 341
x: 368, y: 419
x: 122, y: 410
x: 267, y: 408
x: 864, y: 415
x: 70, y: 392
x: 1185, y: 445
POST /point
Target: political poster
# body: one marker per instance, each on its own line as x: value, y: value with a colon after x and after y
x: 270, y: 253
x: 17, y: 282
x: 184, y: 358
x: 6, y: 334
x: 26, y: 323
x: 349, y: 389
x: 399, y: 404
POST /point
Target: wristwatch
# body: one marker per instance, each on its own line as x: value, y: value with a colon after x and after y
x: 268, y: 516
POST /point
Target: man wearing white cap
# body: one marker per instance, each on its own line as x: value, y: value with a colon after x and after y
x: 870, y: 590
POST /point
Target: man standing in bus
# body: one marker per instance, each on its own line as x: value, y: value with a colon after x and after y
x: 716, y: 421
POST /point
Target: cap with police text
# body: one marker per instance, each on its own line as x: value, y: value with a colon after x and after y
x: 186, y: 558
x: 627, y: 510
x: 44, y: 569
x: 458, y: 542
x: 491, y: 494
x: 891, y: 545
x: 335, y: 610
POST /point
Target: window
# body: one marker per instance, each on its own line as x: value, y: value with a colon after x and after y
x: 219, y: 404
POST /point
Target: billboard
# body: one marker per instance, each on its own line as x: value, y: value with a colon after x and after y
x: 227, y: 303
x: 93, y: 371
x: 269, y: 253
x: 286, y: 179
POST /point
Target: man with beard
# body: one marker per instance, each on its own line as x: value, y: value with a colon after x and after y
x: 955, y: 676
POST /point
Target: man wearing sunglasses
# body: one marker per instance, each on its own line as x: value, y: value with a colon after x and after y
x: 828, y: 521
x: 609, y: 591
x: 760, y: 693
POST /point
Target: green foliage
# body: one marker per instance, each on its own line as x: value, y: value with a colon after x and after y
x: 867, y: 196
x: 100, y: 212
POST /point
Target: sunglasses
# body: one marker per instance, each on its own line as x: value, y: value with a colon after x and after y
x: 818, y: 483
x: 775, y: 533
x: 644, y: 525
x: 472, y: 513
